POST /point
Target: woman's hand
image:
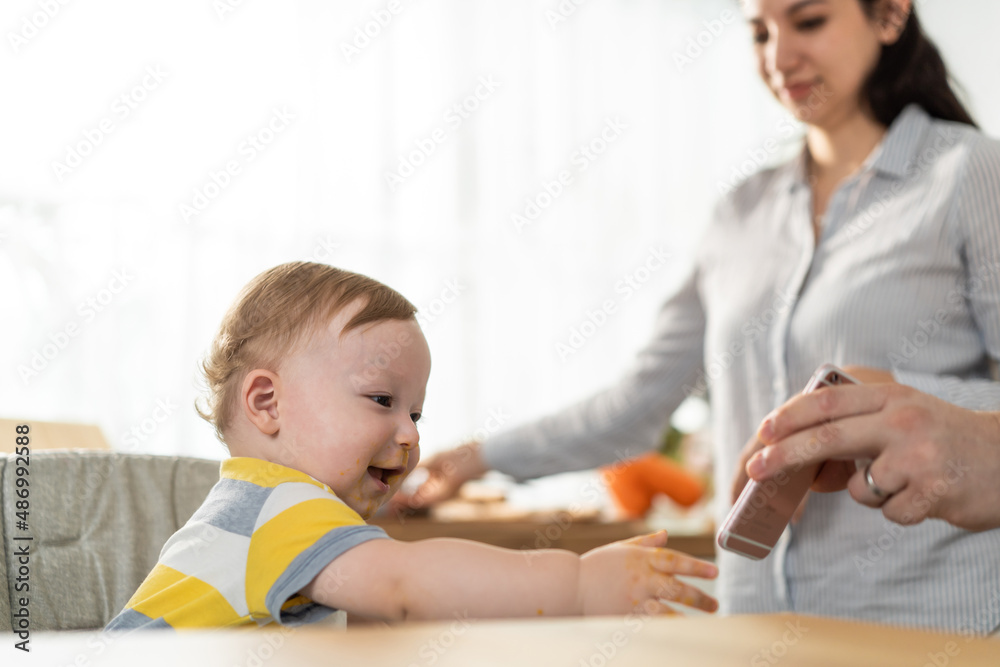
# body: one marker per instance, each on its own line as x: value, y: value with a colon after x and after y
x: 933, y: 459
x: 446, y: 473
x: 838, y: 470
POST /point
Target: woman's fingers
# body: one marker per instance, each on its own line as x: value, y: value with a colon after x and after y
x: 820, y: 407
x: 849, y: 438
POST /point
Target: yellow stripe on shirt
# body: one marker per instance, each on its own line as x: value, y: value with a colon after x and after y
x: 203, y: 606
x: 264, y: 473
x: 274, y: 545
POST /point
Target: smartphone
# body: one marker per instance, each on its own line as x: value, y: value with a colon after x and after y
x: 764, y: 509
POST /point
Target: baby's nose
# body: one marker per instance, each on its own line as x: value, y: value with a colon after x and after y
x: 408, y: 438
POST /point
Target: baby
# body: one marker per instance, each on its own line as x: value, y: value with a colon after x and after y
x: 316, y: 381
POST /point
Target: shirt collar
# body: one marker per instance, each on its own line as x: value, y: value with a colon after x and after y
x: 901, y: 143
x: 894, y: 153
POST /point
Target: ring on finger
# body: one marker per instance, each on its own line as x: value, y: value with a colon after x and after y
x: 872, y: 486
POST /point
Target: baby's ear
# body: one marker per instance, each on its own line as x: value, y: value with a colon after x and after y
x: 259, y: 400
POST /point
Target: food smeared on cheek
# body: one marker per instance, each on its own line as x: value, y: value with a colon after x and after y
x: 363, y: 506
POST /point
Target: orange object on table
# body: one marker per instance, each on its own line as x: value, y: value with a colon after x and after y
x: 634, y: 483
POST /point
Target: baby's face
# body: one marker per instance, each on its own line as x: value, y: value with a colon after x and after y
x: 349, y: 407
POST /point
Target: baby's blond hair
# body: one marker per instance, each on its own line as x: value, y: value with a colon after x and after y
x: 274, y: 313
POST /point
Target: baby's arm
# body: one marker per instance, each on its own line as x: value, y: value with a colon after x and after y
x: 435, y: 579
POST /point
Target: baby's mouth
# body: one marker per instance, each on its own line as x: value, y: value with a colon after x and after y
x: 385, y: 476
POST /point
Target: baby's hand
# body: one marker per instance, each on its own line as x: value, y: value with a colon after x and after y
x: 637, y: 575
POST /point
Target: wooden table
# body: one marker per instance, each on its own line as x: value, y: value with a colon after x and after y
x: 795, y: 641
x: 576, y: 536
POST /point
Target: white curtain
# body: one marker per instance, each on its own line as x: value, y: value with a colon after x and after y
x: 156, y: 156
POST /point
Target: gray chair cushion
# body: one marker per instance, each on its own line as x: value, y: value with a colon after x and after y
x: 99, y: 520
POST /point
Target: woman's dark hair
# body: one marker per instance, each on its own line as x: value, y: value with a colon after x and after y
x: 911, y: 70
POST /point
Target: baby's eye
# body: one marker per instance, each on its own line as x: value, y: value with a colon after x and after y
x: 760, y: 37
x: 415, y: 416
x: 385, y: 401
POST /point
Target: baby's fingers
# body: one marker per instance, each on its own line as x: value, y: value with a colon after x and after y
x: 669, y: 561
x: 670, y: 589
x: 657, y: 539
x: 655, y: 607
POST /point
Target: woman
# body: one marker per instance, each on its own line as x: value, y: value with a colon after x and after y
x: 859, y: 252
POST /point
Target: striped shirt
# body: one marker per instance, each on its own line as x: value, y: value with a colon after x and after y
x: 263, y: 533
x: 905, y: 276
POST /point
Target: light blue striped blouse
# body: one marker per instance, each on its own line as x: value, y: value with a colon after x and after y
x: 906, y: 275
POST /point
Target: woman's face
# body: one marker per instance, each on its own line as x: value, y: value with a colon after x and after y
x: 815, y: 55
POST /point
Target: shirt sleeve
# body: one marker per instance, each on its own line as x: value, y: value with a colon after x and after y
x: 624, y: 420
x: 976, y: 218
x: 303, y: 529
